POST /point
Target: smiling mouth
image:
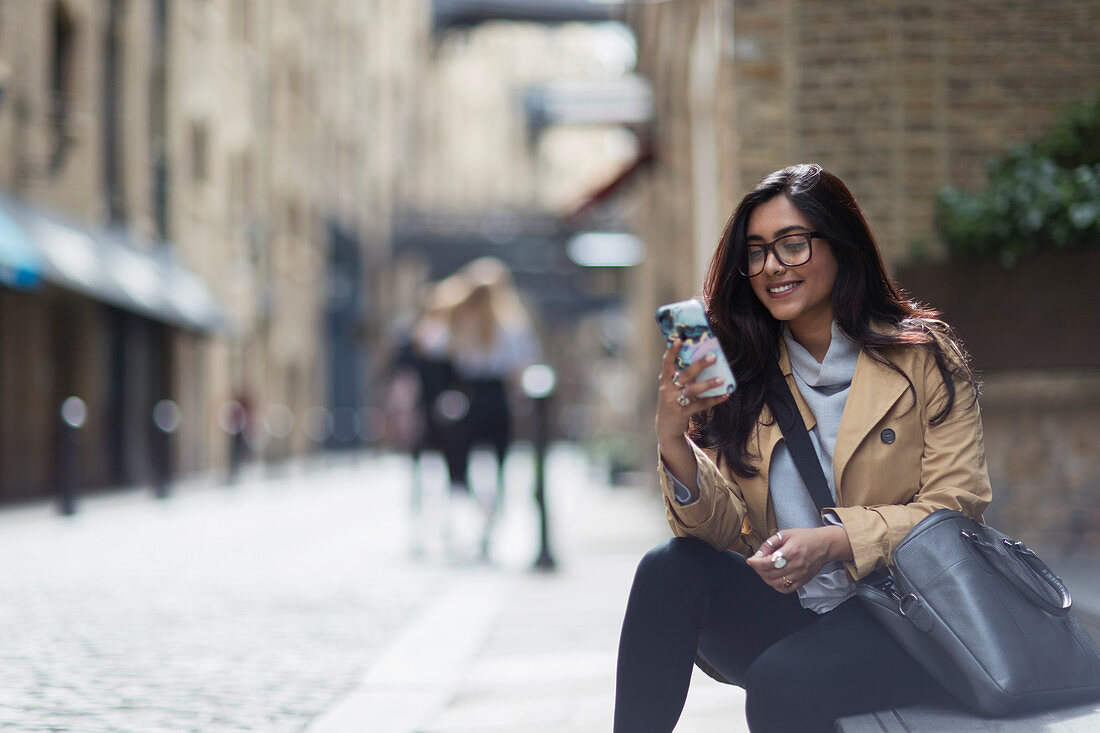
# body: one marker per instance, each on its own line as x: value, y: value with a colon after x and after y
x: 782, y: 289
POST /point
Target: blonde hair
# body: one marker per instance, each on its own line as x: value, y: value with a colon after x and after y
x: 475, y: 318
x: 492, y: 302
x: 438, y: 305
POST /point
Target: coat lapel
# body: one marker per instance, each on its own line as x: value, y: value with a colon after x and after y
x: 874, y: 391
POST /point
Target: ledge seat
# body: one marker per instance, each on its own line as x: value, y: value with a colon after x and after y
x: 1080, y: 719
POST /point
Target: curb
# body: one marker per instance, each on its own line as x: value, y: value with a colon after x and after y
x: 416, y: 676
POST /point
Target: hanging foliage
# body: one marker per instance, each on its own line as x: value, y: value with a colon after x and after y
x: 1040, y: 197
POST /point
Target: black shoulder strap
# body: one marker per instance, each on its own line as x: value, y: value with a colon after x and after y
x: 794, y: 431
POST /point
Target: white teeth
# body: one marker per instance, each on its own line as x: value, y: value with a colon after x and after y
x: 782, y: 289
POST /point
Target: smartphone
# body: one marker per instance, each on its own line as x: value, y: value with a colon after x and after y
x: 687, y: 321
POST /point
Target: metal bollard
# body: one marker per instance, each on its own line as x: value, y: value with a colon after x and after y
x: 538, y: 383
x: 166, y: 421
x: 71, y: 419
x: 233, y: 420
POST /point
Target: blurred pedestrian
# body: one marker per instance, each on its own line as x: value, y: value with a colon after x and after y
x: 490, y: 340
x: 420, y: 416
x: 758, y: 586
x: 235, y: 419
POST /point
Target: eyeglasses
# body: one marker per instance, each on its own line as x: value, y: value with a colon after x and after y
x: 791, y: 250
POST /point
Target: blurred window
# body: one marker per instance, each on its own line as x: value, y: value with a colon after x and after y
x: 61, y: 84
x: 199, y: 145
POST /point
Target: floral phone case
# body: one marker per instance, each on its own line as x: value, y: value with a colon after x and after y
x: 687, y: 321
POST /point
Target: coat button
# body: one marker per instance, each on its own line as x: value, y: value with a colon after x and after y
x: 888, y: 436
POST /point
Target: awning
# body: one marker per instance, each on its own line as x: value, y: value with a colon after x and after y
x: 105, y: 264
x: 607, y: 190
x: 20, y: 265
x: 627, y: 100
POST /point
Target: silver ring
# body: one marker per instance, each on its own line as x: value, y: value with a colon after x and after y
x: 683, y: 400
x: 778, y: 536
x: 676, y: 381
x: 779, y: 561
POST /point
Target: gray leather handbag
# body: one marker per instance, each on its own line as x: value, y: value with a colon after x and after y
x: 977, y: 609
x: 986, y: 617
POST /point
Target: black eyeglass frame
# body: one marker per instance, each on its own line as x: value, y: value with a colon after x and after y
x: 769, y: 247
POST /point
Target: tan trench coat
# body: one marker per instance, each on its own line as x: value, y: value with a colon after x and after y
x: 886, y: 483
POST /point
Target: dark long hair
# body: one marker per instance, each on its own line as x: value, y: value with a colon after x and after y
x: 863, y: 297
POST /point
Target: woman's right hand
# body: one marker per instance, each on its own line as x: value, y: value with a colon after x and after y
x: 678, y: 396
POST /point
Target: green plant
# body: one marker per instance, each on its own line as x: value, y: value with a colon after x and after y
x: 1073, y: 141
x: 1040, y: 197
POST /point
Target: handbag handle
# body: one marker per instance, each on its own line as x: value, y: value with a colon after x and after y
x: 1035, y: 568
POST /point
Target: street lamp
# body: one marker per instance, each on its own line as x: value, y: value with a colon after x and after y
x: 538, y: 381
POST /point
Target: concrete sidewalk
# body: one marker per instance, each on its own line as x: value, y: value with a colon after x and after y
x: 512, y: 649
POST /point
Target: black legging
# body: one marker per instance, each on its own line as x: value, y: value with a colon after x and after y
x: 488, y: 421
x: 800, y: 670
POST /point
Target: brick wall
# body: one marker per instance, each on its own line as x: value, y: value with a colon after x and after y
x: 902, y: 99
x: 1043, y: 451
x: 897, y: 98
x: 764, y: 59
x: 1028, y: 317
x: 1033, y: 341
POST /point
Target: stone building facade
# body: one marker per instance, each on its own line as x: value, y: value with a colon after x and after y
x: 479, y: 151
x: 257, y: 149
x: 81, y: 131
x: 245, y: 146
x: 487, y: 174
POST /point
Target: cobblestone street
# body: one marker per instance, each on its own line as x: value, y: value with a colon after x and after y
x: 292, y: 603
x: 242, y: 608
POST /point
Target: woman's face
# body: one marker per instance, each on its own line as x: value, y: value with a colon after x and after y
x: 802, y: 295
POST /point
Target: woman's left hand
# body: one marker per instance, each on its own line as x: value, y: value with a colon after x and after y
x: 805, y: 550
